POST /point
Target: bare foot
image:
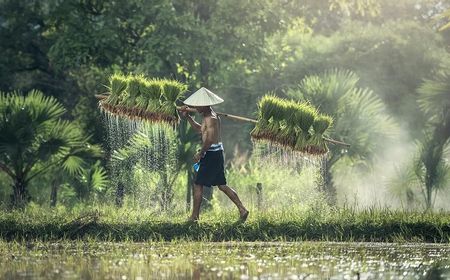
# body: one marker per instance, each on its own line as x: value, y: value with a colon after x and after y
x: 243, y: 216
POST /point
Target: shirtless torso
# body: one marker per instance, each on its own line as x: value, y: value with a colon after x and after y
x: 210, y: 129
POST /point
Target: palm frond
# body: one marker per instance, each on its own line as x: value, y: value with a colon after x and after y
x: 138, y: 143
x: 434, y: 95
x: 96, y: 178
x: 73, y: 164
x: 404, y: 182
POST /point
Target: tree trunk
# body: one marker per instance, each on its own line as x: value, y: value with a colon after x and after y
x: 410, y: 199
x: 326, y: 184
x: 429, y: 188
x: 54, y: 193
x: 20, y: 196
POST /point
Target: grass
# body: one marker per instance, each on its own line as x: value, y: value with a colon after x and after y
x: 111, y: 224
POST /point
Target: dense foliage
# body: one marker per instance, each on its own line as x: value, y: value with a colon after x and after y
x: 35, y: 140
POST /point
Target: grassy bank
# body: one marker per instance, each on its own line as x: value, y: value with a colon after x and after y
x: 111, y: 224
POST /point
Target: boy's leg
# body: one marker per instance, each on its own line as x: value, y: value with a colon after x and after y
x: 198, y: 192
x: 235, y: 198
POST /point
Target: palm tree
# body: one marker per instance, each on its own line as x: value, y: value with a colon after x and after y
x: 431, y: 168
x: 34, y: 140
x: 404, y: 184
x: 152, y: 150
x: 360, y: 119
x: 90, y: 182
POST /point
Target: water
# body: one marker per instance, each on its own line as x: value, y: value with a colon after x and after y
x: 272, y: 153
x: 143, y: 157
x: 301, y: 164
x: 275, y: 260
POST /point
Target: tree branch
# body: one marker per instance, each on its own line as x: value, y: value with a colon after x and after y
x: 7, y: 171
x: 45, y: 168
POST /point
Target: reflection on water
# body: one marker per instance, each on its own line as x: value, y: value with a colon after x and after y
x: 231, y: 260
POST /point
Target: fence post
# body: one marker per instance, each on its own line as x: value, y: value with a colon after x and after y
x: 259, y: 195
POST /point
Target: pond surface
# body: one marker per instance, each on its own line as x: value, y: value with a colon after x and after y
x: 231, y: 260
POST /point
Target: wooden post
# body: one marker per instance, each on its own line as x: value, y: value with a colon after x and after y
x: 259, y: 197
x: 120, y: 193
x: 190, y: 185
x: 54, y: 192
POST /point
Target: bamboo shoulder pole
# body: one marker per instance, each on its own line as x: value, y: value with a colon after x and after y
x: 234, y: 117
x: 332, y: 141
x: 239, y: 118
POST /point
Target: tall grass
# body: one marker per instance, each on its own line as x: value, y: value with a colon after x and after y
x: 107, y: 223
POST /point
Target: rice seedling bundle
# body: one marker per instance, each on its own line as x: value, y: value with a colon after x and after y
x: 143, y: 98
x: 266, y: 107
x: 135, y: 96
x: 275, y: 122
x: 290, y: 124
x: 153, y: 92
x: 305, y: 117
x: 132, y: 90
x: 173, y: 90
x: 118, y: 84
x: 317, y: 144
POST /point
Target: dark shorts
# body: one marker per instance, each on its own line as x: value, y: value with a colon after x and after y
x: 211, y: 171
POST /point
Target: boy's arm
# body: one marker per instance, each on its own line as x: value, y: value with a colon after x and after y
x: 195, y: 125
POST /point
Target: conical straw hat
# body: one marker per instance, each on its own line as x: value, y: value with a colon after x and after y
x: 203, y: 97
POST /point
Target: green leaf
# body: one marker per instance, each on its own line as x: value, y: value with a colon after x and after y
x: 73, y: 164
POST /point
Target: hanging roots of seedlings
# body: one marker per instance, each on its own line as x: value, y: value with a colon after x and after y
x: 290, y: 124
x: 136, y: 97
